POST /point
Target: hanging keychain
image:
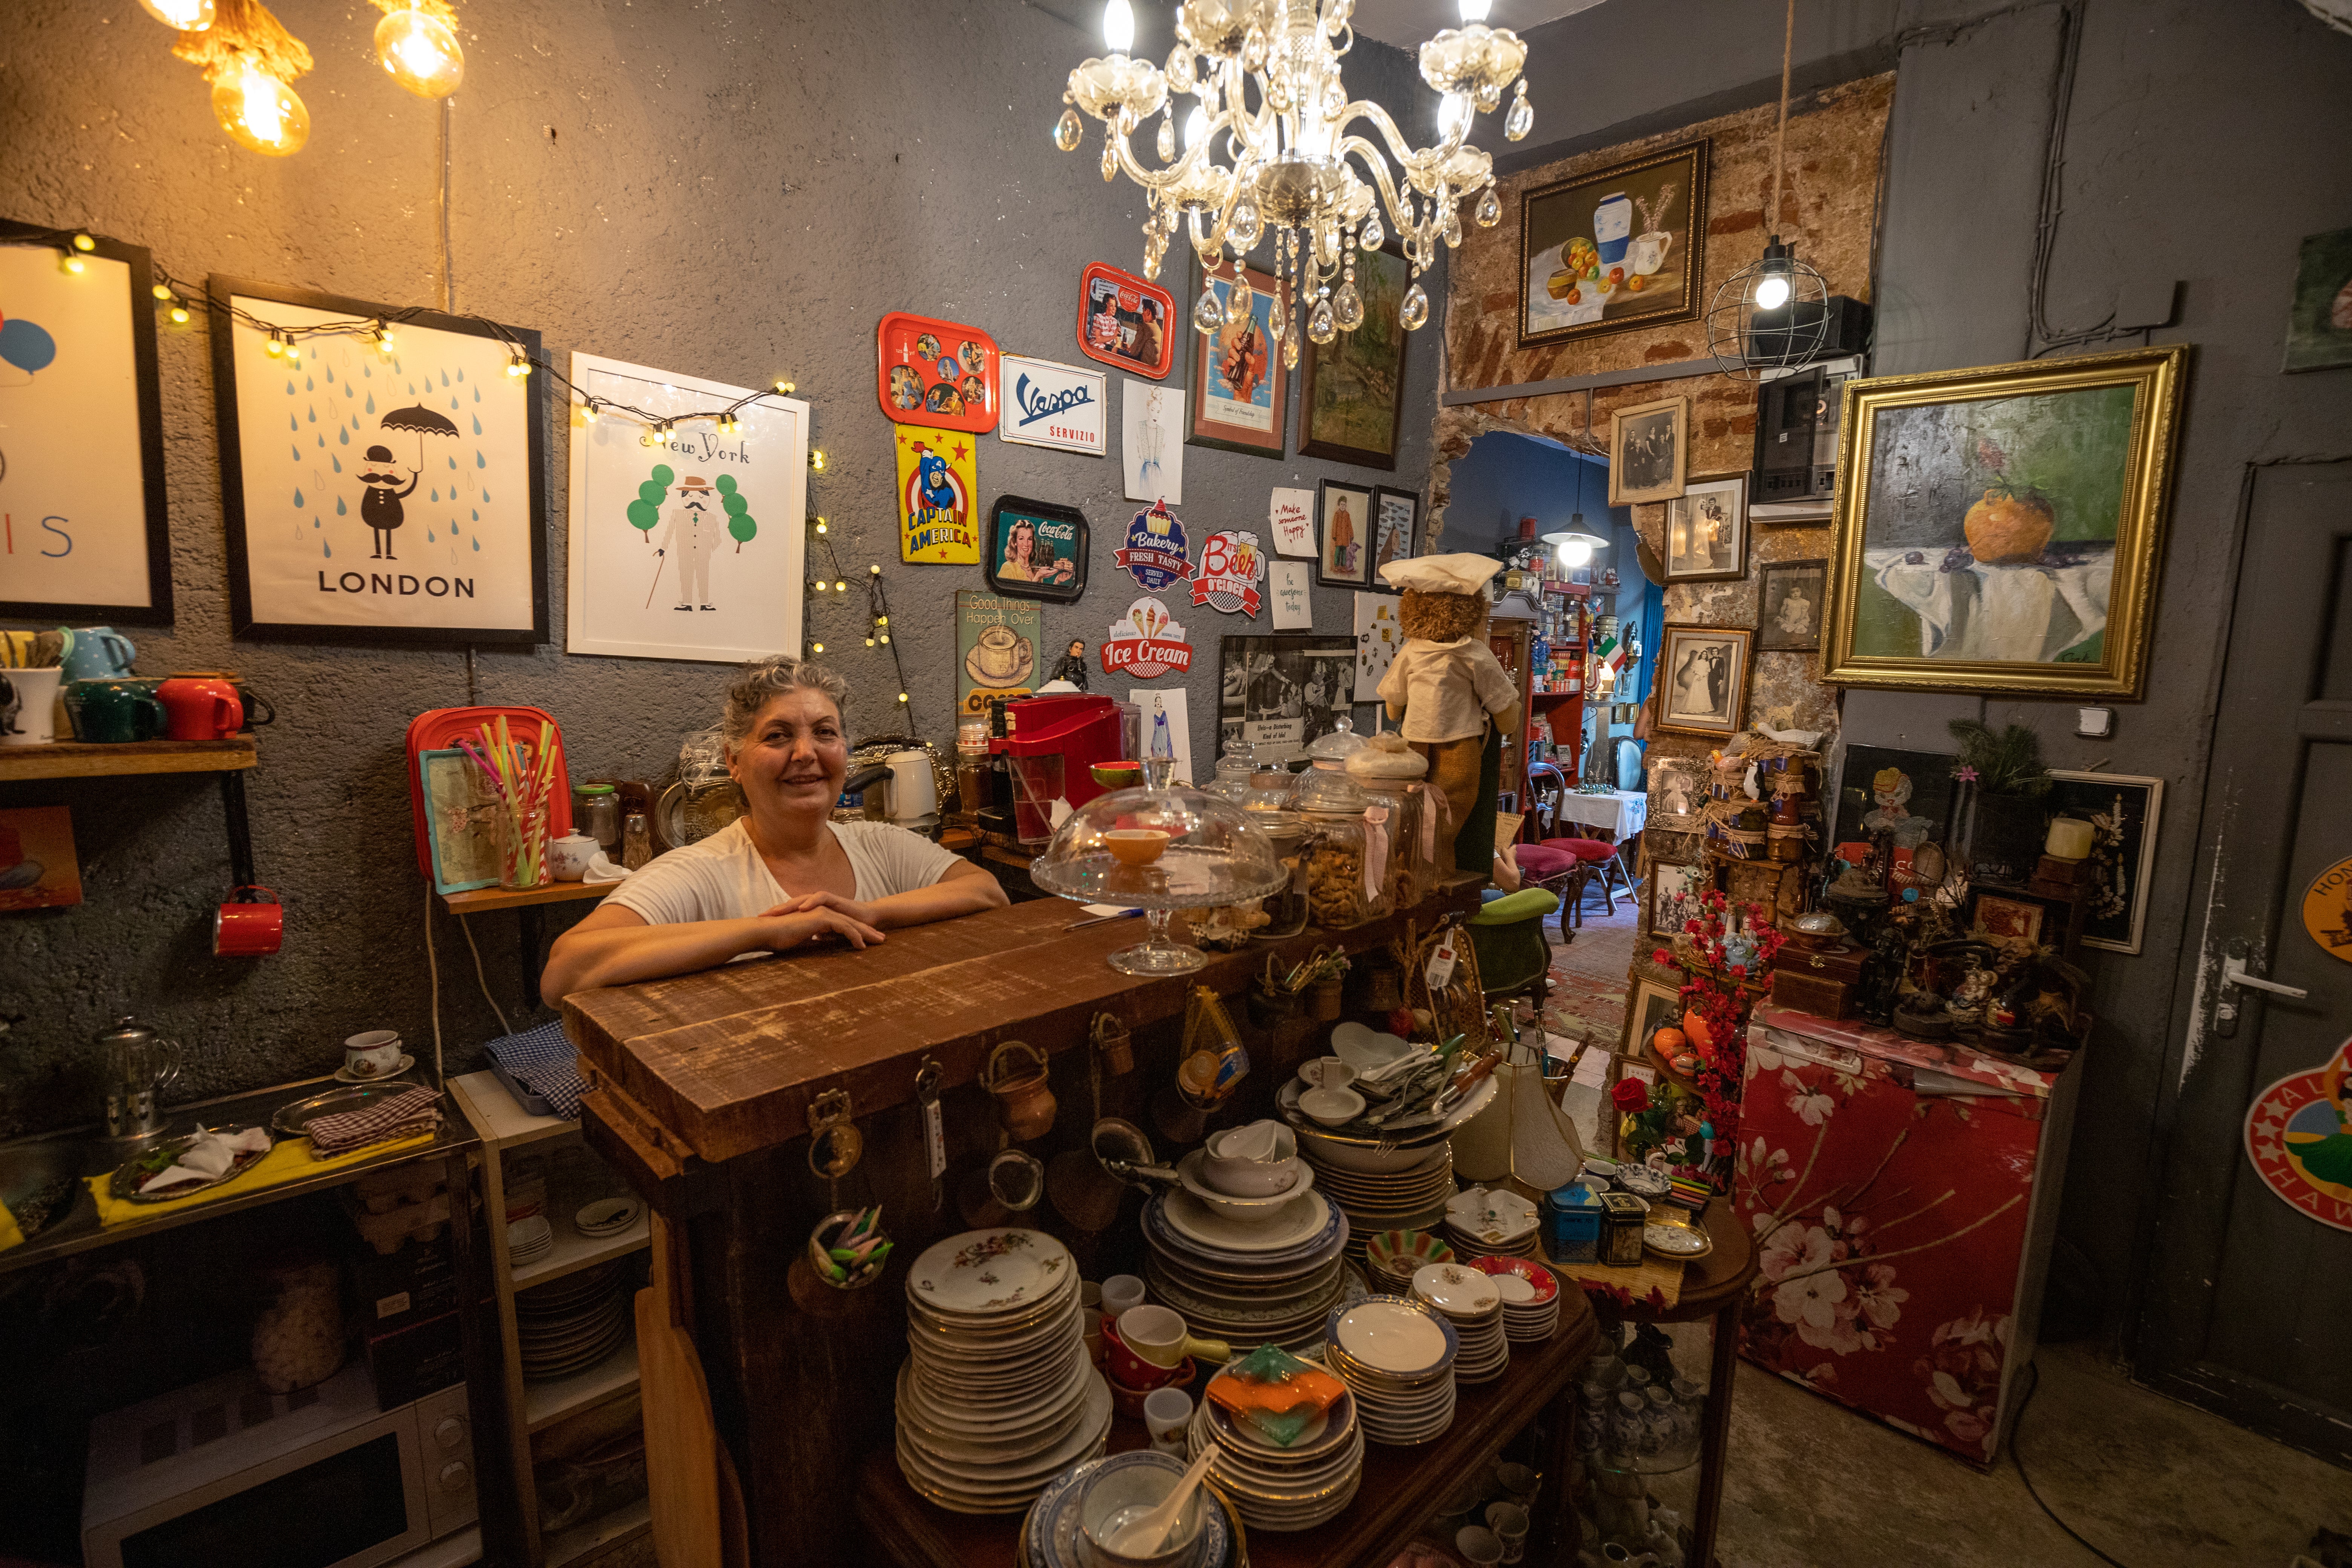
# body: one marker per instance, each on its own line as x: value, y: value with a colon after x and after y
x: 848, y: 1247
x: 935, y: 1137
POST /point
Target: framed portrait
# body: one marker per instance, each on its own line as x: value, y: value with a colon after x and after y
x: 1706, y: 531
x: 1396, y: 527
x: 1675, y: 895
x: 1351, y: 389
x: 2124, y: 811
x: 2000, y: 529
x: 81, y: 475
x: 1036, y: 550
x: 1649, y: 452
x: 1911, y: 794
x: 1614, y: 248
x: 1704, y: 672
x: 406, y: 500
x: 1241, y: 394
x: 693, y: 547
x: 1651, y: 1007
x: 2006, y: 919
x: 1126, y: 321
x: 1677, y: 790
x: 458, y: 822
x: 2319, y: 323
x: 1343, y: 531
x: 1790, y: 597
x: 1279, y: 693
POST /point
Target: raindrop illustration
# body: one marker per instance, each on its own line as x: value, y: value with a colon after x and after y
x: 365, y: 370
x: 332, y: 459
x: 328, y: 548
x: 428, y: 536
x: 453, y: 523
x: 453, y: 462
x: 477, y: 395
x: 445, y: 378
x: 437, y: 494
x: 477, y: 516
x: 313, y: 415
x: 330, y: 376
x: 308, y: 384
x: 323, y: 443
x: 298, y: 496
x: 297, y: 453
x: 289, y: 386
x: 314, y: 523
x: 452, y: 402
x: 341, y: 510
x: 485, y: 497
x: 293, y: 424
x: 478, y: 544
x: 478, y: 424
x: 479, y: 464
x: 343, y: 437
x: 371, y: 403
x: 349, y: 391
x: 412, y: 389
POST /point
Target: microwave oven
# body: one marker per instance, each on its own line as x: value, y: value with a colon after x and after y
x: 225, y: 1471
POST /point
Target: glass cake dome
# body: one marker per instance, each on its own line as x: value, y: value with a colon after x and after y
x: 1157, y: 850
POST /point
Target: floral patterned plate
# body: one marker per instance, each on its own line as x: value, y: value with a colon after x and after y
x: 1682, y: 1241
x: 1544, y: 1283
x: 982, y: 1273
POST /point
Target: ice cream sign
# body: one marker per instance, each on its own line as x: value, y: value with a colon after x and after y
x: 1229, y: 572
x: 1146, y: 643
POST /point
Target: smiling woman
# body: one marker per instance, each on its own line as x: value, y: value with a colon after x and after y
x: 784, y: 875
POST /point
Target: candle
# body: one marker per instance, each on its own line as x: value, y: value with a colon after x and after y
x: 2070, y: 838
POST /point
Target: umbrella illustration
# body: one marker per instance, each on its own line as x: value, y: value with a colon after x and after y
x: 423, y: 421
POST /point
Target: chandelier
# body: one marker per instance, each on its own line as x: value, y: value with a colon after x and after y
x: 1275, y: 142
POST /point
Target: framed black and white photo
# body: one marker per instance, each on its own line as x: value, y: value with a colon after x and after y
x: 2124, y: 811
x: 1704, y: 673
x: 1706, y: 531
x: 1396, y: 523
x: 1652, y: 1006
x: 1677, y: 791
x: 81, y: 467
x: 1676, y: 893
x: 1343, y: 535
x: 378, y: 497
x: 1649, y: 452
x: 1281, y: 693
x: 1790, y: 598
x: 1036, y: 550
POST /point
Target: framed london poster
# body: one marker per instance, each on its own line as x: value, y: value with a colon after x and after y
x: 1614, y: 248
x: 691, y: 545
x: 1351, y: 389
x: 381, y: 496
x: 82, y: 521
x: 1241, y: 395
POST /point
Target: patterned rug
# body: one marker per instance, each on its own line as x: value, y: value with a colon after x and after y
x: 1589, y: 986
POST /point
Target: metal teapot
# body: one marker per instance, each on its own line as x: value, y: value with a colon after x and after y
x: 139, y: 1063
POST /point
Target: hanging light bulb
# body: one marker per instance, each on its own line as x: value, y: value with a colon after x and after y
x: 276, y: 346
x: 588, y: 414
x: 1475, y: 10
x: 421, y: 53
x: 1772, y: 277
x: 162, y: 291
x: 260, y: 113
x: 1119, y: 26
x: 1196, y: 125
x: 293, y: 350
x: 179, y: 314
x: 820, y: 525
x: 816, y: 459
x: 69, y: 262
x: 186, y: 15
x: 816, y: 647
x: 785, y: 388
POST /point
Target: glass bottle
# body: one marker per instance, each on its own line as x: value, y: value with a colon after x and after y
x: 636, y: 841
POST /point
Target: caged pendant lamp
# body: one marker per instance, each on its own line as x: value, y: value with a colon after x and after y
x: 1772, y: 313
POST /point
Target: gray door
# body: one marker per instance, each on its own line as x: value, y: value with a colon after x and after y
x: 2246, y: 1297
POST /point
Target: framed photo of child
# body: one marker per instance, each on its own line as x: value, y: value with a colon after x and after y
x: 1343, y: 530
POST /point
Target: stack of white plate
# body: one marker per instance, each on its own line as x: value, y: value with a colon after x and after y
x: 569, y: 1325
x: 1279, y: 1489
x: 1531, y: 1298
x: 1410, y: 1198
x: 997, y: 1396
x: 1264, y: 1282
x: 529, y: 1240
x: 607, y: 1216
x: 1396, y: 1356
x: 1473, y: 1305
x: 1480, y: 1222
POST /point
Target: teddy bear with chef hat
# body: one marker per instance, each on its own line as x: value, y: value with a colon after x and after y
x: 1446, y: 688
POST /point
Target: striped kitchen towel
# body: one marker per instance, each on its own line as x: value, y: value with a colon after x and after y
x: 401, y: 1116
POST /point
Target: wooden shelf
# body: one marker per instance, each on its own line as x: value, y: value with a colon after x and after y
x: 572, y: 1251
x: 575, y: 1542
x: 545, y: 1404
x: 482, y: 901
x: 1562, y: 696
x: 88, y: 759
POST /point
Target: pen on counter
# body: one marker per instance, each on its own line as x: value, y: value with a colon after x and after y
x: 1103, y: 920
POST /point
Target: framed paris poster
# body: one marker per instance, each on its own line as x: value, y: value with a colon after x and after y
x: 82, y: 521
x: 374, y: 494
x: 1241, y: 395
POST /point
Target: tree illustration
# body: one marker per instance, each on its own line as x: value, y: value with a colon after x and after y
x: 646, y: 511
x: 740, y: 522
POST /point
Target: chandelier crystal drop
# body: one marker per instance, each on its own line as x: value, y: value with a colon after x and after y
x: 1275, y: 142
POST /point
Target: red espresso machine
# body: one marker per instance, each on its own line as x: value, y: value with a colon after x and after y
x: 1051, y: 744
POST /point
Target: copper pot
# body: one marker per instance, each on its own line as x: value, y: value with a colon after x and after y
x: 1022, y: 1097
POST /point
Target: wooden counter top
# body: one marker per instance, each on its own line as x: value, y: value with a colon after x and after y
x: 728, y: 1060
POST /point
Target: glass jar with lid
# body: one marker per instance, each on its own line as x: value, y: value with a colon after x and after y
x: 1234, y: 769
x: 1274, y: 788
x: 1347, y: 863
x: 1292, y: 837
x: 1386, y: 768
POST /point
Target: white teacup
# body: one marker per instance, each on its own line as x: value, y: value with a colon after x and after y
x: 568, y: 857
x: 373, y: 1053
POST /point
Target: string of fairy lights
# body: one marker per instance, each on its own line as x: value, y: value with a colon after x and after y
x: 173, y: 294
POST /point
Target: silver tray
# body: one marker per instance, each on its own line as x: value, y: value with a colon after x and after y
x: 294, y: 1119
x: 124, y: 1183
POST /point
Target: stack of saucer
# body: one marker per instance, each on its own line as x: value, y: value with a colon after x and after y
x: 529, y: 1240
x: 1271, y: 1281
x: 1473, y: 1304
x: 1280, y: 1488
x: 607, y: 1216
x: 1412, y: 1197
x: 1531, y: 1298
x: 571, y: 1323
x: 1393, y: 1257
x: 1396, y: 1356
x: 997, y: 1396
x: 1497, y: 1223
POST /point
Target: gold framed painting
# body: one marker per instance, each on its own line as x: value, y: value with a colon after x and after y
x: 1703, y: 672
x: 2000, y: 529
x: 1615, y: 249
x: 1649, y: 452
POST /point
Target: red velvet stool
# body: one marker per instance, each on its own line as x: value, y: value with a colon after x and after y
x: 1599, y: 859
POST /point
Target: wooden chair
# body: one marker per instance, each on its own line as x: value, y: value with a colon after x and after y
x: 1601, y: 859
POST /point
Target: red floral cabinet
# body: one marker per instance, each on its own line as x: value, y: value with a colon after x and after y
x: 1903, y: 1196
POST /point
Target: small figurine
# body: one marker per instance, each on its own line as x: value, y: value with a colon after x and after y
x: 1073, y: 665
x: 1882, y: 975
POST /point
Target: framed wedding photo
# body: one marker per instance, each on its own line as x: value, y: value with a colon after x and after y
x: 1706, y: 531
x: 1704, y: 672
x: 1649, y: 452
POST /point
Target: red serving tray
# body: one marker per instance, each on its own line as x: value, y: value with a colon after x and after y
x: 1125, y: 293
x: 934, y: 366
x: 440, y: 728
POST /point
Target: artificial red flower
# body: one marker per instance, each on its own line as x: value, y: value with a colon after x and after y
x: 1630, y: 1095
x: 1661, y: 956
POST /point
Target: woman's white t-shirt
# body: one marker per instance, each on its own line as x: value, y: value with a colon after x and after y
x: 724, y: 878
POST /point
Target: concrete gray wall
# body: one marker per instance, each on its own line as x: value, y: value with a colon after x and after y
x: 738, y: 190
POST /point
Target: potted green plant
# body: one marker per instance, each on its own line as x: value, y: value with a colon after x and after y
x: 2005, y: 780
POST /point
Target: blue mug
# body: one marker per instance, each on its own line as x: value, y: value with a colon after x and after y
x: 97, y: 653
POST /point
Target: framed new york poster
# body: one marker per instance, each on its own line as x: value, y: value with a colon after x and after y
x: 375, y: 496
x: 692, y: 545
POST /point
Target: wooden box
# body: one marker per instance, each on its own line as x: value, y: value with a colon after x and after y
x: 1822, y: 983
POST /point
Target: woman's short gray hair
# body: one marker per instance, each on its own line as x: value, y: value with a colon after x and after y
x: 763, y: 680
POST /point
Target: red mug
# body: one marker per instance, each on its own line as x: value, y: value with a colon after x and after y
x: 252, y: 924
x: 200, y: 708
x: 1129, y: 1371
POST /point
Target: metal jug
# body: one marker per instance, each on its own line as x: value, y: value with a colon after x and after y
x: 139, y: 1063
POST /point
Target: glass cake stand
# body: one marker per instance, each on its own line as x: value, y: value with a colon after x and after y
x: 1159, y: 851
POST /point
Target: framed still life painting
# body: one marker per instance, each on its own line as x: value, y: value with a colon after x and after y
x: 375, y: 496
x: 1351, y: 389
x: 1704, y: 672
x: 1241, y: 394
x: 81, y: 477
x: 2000, y: 529
x: 1614, y: 248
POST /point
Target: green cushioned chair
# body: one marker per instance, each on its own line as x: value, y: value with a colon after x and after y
x: 1514, y: 956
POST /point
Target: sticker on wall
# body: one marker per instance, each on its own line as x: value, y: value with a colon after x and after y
x: 1378, y: 638
x: 937, y: 475
x: 996, y: 649
x: 2327, y: 910
x: 1057, y: 405
x: 939, y: 373
x: 1155, y: 549
x: 1287, y: 585
x: 1125, y: 321
x: 38, y: 868
x: 1036, y: 549
x: 2298, y: 1138
x: 1291, y: 515
x: 1146, y: 643
x: 1150, y: 456
x: 1228, y: 574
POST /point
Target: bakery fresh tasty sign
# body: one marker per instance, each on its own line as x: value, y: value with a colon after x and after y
x: 1049, y: 404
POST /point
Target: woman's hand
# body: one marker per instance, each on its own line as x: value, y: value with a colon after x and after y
x: 808, y: 903
x: 814, y: 915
